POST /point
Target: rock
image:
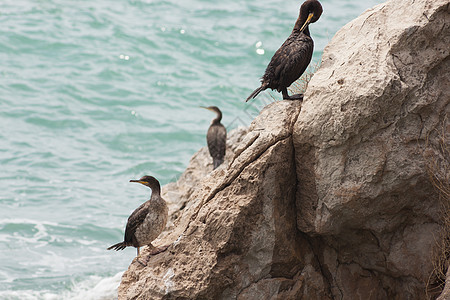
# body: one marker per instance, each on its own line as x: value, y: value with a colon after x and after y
x: 382, y: 90
x: 177, y: 193
x: 329, y: 199
x: 238, y: 239
x: 446, y: 292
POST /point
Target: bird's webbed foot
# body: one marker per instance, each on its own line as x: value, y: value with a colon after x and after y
x: 153, y: 251
x: 286, y: 96
x: 144, y: 264
x: 157, y: 250
x: 138, y: 260
x: 293, y: 97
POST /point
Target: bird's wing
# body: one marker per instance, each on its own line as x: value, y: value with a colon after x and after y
x: 298, y: 61
x: 290, y: 61
x: 136, y: 218
x: 217, y: 138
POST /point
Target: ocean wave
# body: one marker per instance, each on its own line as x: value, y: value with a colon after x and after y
x: 96, y: 94
x: 92, y: 288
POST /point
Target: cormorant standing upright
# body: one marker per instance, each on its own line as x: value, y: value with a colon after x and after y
x: 293, y: 57
x: 147, y: 222
x: 216, y: 137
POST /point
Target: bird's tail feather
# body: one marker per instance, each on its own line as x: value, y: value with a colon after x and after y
x: 118, y: 246
x: 217, y: 162
x: 256, y: 92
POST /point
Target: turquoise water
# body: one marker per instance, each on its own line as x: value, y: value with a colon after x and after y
x: 94, y: 93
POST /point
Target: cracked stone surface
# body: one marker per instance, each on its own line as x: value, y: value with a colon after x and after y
x: 367, y: 117
x: 325, y: 199
x: 178, y: 193
x: 238, y: 238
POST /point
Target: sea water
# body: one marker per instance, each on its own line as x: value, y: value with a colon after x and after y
x: 95, y: 93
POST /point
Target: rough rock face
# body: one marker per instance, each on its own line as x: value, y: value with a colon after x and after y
x: 446, y: 292
x: 178, y: 193
x: 359, y: 141
x: 238, y: 239
x: 328, y: 199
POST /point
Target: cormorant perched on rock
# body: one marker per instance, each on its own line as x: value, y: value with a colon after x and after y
x: 147, y: 221
x: 291, y: 60
x: 216, y: 137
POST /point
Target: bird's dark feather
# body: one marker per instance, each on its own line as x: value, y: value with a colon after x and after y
x: 216, y: 139
x: 289, y: 62
x: 118, y: 246
x: 293, y: 57
x: 134, y: 220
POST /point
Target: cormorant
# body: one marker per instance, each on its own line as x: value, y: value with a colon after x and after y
x: 147, y: 221
x: 291, y: 60
x: 216, y: 137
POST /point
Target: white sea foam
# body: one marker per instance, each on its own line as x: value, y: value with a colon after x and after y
x: 27, y: 221
x: 86, y: 242
x: 39, y: 238
x: 39, y: 225
x: 93, y: 288
x: 27, y: 295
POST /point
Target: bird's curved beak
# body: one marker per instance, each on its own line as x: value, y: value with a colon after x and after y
x: 308, y: 20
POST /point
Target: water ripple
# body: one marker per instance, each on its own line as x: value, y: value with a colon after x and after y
x: 95, y: 93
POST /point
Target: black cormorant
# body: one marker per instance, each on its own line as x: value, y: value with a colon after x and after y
x: 147, y: 221
x: 291, y: 60
x: 216, y: 137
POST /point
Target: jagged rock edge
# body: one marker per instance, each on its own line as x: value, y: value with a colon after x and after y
x: 227, y: 182
x: 242, y: 149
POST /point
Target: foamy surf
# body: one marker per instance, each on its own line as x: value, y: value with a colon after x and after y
x: 93, y: 288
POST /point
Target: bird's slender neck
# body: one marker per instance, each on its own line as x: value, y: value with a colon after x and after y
x: 218, y: 118
x: 156, y: 189
x: 297, y: 28
x: 300, y: 21
x: 306, y: 31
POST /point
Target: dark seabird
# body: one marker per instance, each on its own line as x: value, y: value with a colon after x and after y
x: 216, y: 137
x: 293, y: 57
x: 147, y: 221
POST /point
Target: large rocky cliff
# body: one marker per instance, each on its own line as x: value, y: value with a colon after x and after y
x: 325, y: 199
